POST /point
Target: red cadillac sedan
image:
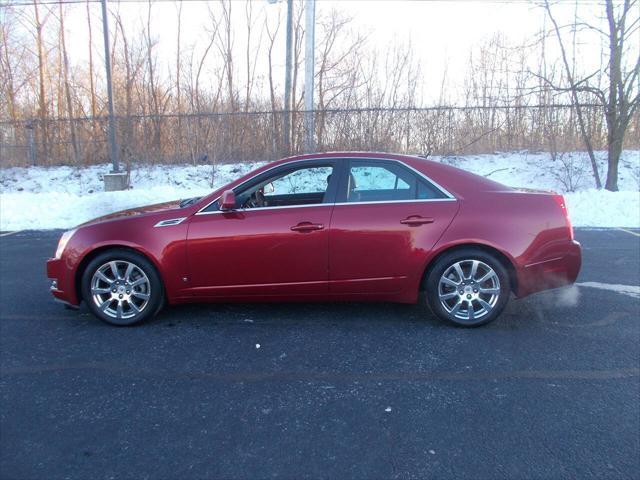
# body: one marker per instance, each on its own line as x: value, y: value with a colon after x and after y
x: 326, y: 227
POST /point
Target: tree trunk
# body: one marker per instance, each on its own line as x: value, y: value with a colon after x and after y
x: 576, y: 100
x: 92, y: 89
x: 10, y: 89
x: 614, y: 151
x: 67, y: 89
x: 42, y: 100
x: 179, y: 142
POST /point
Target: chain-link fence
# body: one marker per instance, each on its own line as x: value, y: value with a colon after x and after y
x: 243, y: 136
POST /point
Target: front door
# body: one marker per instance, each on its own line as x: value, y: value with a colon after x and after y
x: 274, y: 243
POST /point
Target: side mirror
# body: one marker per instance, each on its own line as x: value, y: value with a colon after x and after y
x: 268, y: 189
x: 228, y: 200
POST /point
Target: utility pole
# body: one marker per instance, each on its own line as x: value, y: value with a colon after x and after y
x: 287, y: 80
x: 309, y: 61
x: 113, y: 148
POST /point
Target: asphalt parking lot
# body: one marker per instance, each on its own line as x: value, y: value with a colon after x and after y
x: 549, y: 390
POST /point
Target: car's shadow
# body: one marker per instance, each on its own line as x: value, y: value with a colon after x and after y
x: 365, y: 315
x: 548, y: 309
x: 293, y: 313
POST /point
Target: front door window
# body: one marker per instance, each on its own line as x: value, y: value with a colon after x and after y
x: 302, y: 186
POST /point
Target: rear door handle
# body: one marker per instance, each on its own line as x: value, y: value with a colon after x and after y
x: 415, y: 220
x: 307, y: 227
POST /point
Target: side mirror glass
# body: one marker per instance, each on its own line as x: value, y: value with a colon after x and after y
x: 268, y: 189
x: 228, y: 200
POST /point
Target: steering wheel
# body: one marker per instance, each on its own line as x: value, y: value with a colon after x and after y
x: 255, y: 200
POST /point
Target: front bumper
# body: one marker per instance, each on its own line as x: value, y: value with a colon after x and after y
x: 62, y: 282
x: 559, y: 267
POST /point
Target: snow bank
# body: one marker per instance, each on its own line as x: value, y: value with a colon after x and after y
x: 601, y: 208
x: 46, y: 210
x: 61, y: 197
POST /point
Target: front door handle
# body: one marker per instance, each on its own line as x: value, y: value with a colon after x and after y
x: 415, y: 220
x: 307, y: 227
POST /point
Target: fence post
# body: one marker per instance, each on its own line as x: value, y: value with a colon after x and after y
x: 408, y: 131
x: 449, y: 135
x: 32, y: 145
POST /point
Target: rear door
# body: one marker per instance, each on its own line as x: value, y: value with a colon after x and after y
x: 386, y: 219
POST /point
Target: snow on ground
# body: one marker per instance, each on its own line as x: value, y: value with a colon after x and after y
x: 61, y: 197
x: 570, y: 175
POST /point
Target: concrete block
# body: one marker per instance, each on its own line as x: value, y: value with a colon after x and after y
x: 116, y: 181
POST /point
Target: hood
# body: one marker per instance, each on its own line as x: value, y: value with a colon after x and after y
x: 158, y: 207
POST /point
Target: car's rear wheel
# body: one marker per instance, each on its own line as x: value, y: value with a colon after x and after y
x: 122, y: 287
x: 468, y: 288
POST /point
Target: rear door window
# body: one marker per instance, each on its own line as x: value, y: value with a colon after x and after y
x: 370, y: 181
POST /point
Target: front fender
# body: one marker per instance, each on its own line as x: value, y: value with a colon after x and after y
x: 165, y: 247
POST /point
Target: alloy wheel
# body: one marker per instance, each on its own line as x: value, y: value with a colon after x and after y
x: 120, y: 289
x: 469, y: 290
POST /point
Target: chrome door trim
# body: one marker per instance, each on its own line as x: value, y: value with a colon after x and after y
x: 424, y: 200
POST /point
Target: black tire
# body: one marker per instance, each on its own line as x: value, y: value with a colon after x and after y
x: 469, y: 293
x: 120, y: 311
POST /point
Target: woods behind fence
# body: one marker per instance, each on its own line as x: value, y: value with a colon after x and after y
x: 232, y: 137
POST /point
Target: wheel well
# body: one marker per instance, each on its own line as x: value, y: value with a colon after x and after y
x: 502, y: 258
x: 93, y: 254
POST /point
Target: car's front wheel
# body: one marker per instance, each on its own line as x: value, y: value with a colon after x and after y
x: 122, y: 287
x: 468, y: 287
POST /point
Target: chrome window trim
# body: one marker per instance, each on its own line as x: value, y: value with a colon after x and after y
x: 261, y: 209
x: 416, y: 200
x: 449, y: 195
x: 443, y: 190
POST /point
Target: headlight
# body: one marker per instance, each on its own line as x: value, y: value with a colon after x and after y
x: 64, y: 239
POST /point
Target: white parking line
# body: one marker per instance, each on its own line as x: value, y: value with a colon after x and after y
x: 630, y: 290
x: 629, y: 231
x: 6, y: 234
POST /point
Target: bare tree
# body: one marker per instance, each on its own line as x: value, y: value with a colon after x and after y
x: 152, y: 86
x: 338, y: 65
x: 7, y: 76
x: 42, y: 93
x: 67, y: 87
x: 574, y: 86
x: 126, y: 78
x: 92, y: 88
x: 251, y: 54
x: 623, y: 95
x: 225, y: 46
x: 178, y: 80
x: 620, y: 97
x: 272, y: 35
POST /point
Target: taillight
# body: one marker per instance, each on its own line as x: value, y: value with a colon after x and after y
x: 563, y: 206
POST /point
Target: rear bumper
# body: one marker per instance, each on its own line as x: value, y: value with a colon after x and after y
x: 62, y: 284
x: 560, y: 267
